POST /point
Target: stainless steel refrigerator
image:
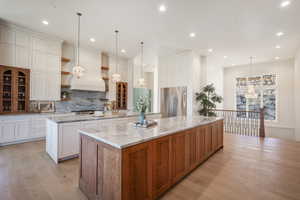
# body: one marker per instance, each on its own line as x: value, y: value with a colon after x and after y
x: 173, y: 101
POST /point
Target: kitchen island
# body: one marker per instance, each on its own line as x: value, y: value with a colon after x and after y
x: 62, y: 136
x: 121, y: 162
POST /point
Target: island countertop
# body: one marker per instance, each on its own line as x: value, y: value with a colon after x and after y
x: 80, y: 118
x: 122, y: 133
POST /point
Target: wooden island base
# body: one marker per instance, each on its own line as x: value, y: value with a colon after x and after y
x: 145, y: 171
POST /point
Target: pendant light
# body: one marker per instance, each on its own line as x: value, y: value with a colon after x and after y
x: 116, y: 77
x: 77, y: 69
x: 251, y: 94
x: 141, y: 81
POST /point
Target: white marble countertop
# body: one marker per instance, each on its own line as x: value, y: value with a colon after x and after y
x: 122, y: 133
x: 79, y: 118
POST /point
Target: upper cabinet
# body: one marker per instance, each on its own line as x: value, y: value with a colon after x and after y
x: 14, y: 90
x: 37, y: 52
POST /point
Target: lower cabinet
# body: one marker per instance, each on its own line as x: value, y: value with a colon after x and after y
x: 145, y: 171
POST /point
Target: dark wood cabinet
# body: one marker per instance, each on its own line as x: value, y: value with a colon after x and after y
x: 14, y: 89
x: 162, y: 162
x: 121, y: 95
x: 137, y: 172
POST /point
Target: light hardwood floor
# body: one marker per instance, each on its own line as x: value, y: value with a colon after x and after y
x: 247, y: 168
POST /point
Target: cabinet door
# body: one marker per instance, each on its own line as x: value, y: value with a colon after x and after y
x: 7, y: 54
x: 179, y: 156
x: 161, y: 165
x: 137, y: 172
x: 22, y: 130
x: 38, y: 128
x: 38, y: 86
x: 214, y: 136
x: 52, y: 87
x: 201, y: 143
x: 193, y: 144
x: 208, y: 140
x: 220, y: 134
x: 68, y: 139
x: 7, y: 131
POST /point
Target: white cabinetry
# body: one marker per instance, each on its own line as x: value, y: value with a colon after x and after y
x: 39, y: 53
x: 69, y: 139
x: 7, y: 131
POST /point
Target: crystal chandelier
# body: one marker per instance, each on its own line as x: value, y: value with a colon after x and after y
x: 251, y: 93
x: 77, y: 70
x: 116, y: 77
x: 141, y: 81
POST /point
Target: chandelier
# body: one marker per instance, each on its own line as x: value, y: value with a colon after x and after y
x: 116, y: 77
x: 77, y: 70
x: 141, y: 81
x: 251, y: 93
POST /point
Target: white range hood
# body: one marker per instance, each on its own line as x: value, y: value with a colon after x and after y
x: 86, y: 83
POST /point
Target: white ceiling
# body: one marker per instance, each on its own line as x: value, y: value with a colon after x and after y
x: 235, y: 28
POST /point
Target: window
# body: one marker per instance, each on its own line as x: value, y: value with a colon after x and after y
x: 265, y: 87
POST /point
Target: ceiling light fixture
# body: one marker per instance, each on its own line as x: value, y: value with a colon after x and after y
x: 210, y: 50
x: 279, y: 34
x: 141, y: 81
x: 162, y: 8
x: 277, y: 58
x: 251, y: 93
x: 123, y: 51
x: 116, y: 77
x: 192, y: 35
x: 277, y: 46
x: 92, y: 40
x: 285, y: 4
x: 77, y: 69
x: 225, y: 57
x: 45, y: 22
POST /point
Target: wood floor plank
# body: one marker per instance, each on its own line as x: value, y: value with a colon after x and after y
x: 247, y: 168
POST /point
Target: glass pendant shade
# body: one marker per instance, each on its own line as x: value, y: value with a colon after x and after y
x: 251, y: 94
x: 141, y: 82
x: 116, y: 77
x: 77, y: 70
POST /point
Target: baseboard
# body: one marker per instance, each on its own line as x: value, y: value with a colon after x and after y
x: 22, y: 141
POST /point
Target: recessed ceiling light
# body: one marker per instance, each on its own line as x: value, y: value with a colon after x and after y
x: 192, y: 35
x: 123, y: 51
x: 92, y: 40
x: 162, y: 8
x: 225, y: 57
x: 210, y: 50
x: 285, y: 4
x: 277, y: 58
x: 278, y: 47
x: 45, y: 22
x: 280, y: 34
x: 232, y: 64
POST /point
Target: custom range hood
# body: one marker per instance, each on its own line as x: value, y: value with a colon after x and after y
x: 88, y: 83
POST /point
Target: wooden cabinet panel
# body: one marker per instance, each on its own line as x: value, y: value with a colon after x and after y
x: 201, y: 143
x: 220, y: 134
x: 137, y: 172
x: 161, y: 165
x: 208, y: 140
x: 178, y: 156
x: 214, y: 136
x: 121, y: 95
x: 88, y: 167
x: 193, y: 147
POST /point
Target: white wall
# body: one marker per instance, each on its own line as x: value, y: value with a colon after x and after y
x: 284, y: 126
x: 297, y: 95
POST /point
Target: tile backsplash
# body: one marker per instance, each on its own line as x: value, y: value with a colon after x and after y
x: 81, y: 100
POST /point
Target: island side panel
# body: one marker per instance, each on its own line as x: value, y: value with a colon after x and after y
x: 100, y: 170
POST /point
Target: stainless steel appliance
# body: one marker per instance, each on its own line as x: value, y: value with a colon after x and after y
x: 173, y: 101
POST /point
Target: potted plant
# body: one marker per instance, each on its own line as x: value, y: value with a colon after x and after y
x: 142, y: 106
x: 208, y: 99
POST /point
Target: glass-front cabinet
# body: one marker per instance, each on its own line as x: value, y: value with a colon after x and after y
x: 14, y: 90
